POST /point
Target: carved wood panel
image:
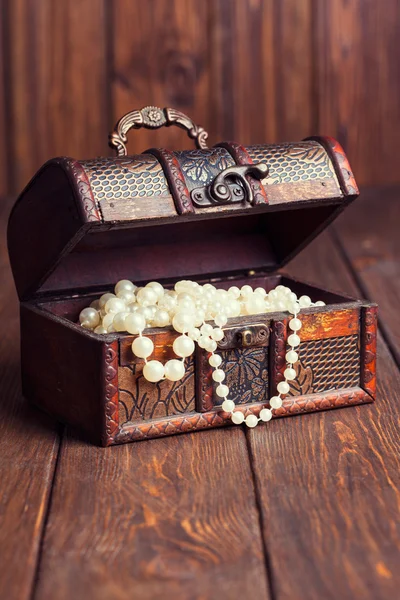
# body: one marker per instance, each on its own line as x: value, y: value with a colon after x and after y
x: 141, y: 400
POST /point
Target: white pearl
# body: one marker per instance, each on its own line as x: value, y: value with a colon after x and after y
x: 124, y: 285
x: 100, y: 329
x: 161, y: 318
x: 289, y: 374
x: 157, y: 287
x: 95, y: 304
x: 203, y: 341
x: 255, y: 304
x: 234, y: 291
x: 108, y: 320
x: 292, y: 356
x: 295, y: 324
x: 266, y: 414
x: 246, y: 291
x: 220, y: 320
x: 222, y: 390
x: 228, y: 406
x: 275, y: 402
x: 182, y: 322
x: 217, y: 334
x: 215, y: 360
x: 251, y: 421
x: 115, y: 305
x: 153, y: 371
x: 233, y: 308
x: 142, y: 347
x: 119, y: 321
x: 183, y: 346
x: 304, y: 301
x: 211, y: 345
x: 89, y: 316
x: 135, y: 323
x: 293, y: 340
x: 260, y: 291
x: 237, y: 418
x: 146, y: 296
x: 174, y: 369
x: 194, y: 333
x: 127, y: 297
x: 218, y: 375
x: 206, y: 329
x: 104, y: 298
x: 198, y: 318
x: 320, y: 303
x: 294, y: 308
x: 283, y: 387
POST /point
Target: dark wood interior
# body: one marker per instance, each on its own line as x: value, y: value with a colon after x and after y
x: 188, y: 249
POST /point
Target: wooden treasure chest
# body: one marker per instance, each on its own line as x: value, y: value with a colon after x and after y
x: 227, y: 215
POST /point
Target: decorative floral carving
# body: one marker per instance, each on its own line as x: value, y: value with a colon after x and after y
x: 142, y: 400
x: 246, y: 373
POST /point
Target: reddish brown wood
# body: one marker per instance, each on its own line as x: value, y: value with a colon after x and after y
x: 28, y: 448
x: 138, y: 519
x: 321, y: 325
x: 368, y: 349
x: 369, y: 238
x: 175, y: 178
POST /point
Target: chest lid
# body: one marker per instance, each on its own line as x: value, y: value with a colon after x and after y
x: 163, y: 215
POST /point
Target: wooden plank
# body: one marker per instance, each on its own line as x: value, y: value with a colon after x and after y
x: 57, y: 62
x: 161, y: 57
x: 358, y: 84
x: 371, y: 241
x: 261, y: 70
x: 4, y: 151
x: 328, y: 484
x: 171, y: 518
x: 28, y: 449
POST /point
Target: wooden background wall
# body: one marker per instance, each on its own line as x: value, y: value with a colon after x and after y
x: 249, y: 70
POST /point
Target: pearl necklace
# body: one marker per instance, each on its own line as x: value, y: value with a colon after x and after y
x: 188, y: 308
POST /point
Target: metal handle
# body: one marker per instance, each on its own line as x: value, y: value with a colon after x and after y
x: 152, y: 117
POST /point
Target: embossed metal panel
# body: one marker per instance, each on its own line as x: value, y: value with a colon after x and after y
x: 129, y: 177
x: 328, y: 364
x: 291, y: 163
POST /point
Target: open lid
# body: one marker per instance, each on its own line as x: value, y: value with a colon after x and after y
x: 165, y: 215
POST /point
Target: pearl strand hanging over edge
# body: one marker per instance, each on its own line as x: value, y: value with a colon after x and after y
x: 132, y: 309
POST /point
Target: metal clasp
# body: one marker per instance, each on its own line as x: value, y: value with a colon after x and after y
x: 229, y: 186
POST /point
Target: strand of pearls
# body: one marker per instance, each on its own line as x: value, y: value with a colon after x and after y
x: 189, y: 308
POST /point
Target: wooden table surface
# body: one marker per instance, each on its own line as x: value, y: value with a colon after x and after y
x: 302, y: 508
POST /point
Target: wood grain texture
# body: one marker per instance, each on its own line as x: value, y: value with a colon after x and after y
x: 153, y: 520
x: 165, y: 63
x: 358, y: 82
x: 4, y: 103
x: 334, y: 512
x: 265, y: 47
x: 370, y: 239
x: 28, y: 449
x: 57, y: 63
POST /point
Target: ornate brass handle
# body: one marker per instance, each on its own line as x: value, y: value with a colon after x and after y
x: 152, y: 117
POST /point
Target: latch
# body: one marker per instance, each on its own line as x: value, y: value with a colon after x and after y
x: 229, y: 186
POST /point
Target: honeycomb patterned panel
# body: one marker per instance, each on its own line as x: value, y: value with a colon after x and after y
x: 290, y: 163
x: 128, y: 177
x: 330, y: 364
